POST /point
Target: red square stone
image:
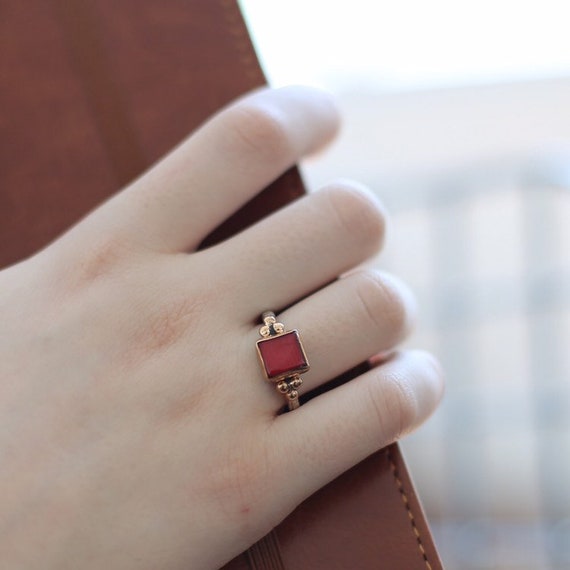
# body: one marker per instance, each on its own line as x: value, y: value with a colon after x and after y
x: 282, y: 355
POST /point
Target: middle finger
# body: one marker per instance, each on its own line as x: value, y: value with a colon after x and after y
x: 300, y: 248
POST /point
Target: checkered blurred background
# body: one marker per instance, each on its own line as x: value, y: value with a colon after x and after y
x: 484, y: 241
x: 491, y: 268
x: 457, y: 114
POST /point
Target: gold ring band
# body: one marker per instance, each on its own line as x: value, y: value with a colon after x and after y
x: 282, y: 357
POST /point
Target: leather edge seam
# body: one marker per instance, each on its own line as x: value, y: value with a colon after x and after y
x: 408, y: 508
x: 236, y: 27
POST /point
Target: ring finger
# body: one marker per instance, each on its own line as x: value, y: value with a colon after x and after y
x: 347, y: 322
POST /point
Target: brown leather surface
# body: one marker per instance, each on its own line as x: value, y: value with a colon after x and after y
x: 92, y: 93
x: 361, y: 520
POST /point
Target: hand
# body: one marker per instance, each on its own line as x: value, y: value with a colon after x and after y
x: 137, y: 430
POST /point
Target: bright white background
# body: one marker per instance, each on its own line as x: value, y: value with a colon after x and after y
x: 405, y: 44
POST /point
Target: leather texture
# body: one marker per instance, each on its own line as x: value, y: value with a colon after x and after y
x: 93, y: 93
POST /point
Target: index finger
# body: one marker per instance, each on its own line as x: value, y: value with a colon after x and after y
x: 226, y: 162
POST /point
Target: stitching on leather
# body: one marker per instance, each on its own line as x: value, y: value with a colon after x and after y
x: 237, y: 29
x: 265, y: 554
x: 406, y: 502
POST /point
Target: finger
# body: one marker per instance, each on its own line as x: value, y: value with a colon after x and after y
x: 300, y: 248
x: 342, y: 427
x: 224, y: 164
x: 349, y: 321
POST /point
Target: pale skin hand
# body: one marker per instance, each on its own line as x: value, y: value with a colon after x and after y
x: 136, y: 429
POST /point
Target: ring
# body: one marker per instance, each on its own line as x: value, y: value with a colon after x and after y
x: 282, y: 357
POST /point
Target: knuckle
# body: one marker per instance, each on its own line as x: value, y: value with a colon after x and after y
x: 383, y: 303
x: 356, y: 214
x: 167, y: 322
x: 101, y: 259
x: 172, y: 322
x: 260, y: 130
x: 394, y: 405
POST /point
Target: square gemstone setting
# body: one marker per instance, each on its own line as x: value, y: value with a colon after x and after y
x: 282, y: 355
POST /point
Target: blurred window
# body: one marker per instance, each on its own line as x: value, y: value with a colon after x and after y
x: 458, y: 115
